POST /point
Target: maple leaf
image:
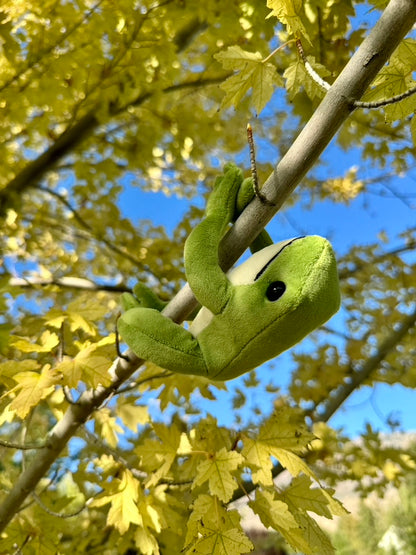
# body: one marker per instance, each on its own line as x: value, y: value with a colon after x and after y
x: 301, y: 498
x: 302, y: 495
x: 214, y: 530
x: 282, y: 436
x: 90, y: 365
x: 288, y: 12
x: 158, y: 456
x: 10, y: 368
x: 252, y: 73
x: 123, y: 494
x: 308, y: 538
x: 48, y: 342
x: 132, y: 415
x: 107, y: 427
x: 217, y: 471
x: 146, y: 542
x: 227, y: 542
x: 32, y: 387
x: 272, y: 512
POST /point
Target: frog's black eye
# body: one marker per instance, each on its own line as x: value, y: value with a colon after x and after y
x: 275, y: 290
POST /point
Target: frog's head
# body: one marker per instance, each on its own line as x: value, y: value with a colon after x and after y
x: 288, y: 289
x: 281, y: 294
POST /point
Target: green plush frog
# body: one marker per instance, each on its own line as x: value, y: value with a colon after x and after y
x: 248, y: 315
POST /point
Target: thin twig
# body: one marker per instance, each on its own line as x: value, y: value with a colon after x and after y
x: 45, y: 508
x: 253, y: 167
x: 21, y: 446
x: 356, y: 103
x: 385, y: 102
x: 309, y: 69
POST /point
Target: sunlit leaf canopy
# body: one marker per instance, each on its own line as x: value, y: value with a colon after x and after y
x: 99, y: 99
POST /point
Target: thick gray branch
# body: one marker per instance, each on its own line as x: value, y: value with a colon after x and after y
x: 395, y: 22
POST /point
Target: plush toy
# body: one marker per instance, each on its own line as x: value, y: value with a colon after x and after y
x: 248, y: 316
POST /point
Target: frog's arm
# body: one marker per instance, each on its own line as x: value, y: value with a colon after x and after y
x: 208, y: 282
x: 153, y: 336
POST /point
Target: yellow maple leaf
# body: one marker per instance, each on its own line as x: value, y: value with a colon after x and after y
x: 301, y: 495
x: 32, y: 387
x: 289, y: 13
x: 308, y: 537
x: 251, y: 72
x: 301, y: 498
x: 219, y: 542
x: 212, y: 529
x: 90, y: 365
x: 107, y: 426
x: 217, y: 470
x: 123, y: 494
x: 48, y: 341
x: 272, y: 512
x: 344, y: 189
x: 132, y: 415
x: 158, y: 456
x: 145, y: 542
x: 10, y: 368
x: 282, y: 436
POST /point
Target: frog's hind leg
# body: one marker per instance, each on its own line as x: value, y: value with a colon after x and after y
x: 153, y: 336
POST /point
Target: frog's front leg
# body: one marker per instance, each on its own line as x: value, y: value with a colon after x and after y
x: 207, y: 280
x: 143, y: 297
x: 153, y: 336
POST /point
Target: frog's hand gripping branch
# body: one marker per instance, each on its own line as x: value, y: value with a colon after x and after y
x: 153, y: 336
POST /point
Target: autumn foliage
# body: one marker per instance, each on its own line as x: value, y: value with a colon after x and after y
x: 103, y: 102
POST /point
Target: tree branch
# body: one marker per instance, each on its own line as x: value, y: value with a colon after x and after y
x: 21, y: 446
x: 69, y: 282
x: 347, y: 272
x: 35, y: 170
x: 363, y: 67
x: 358, y: 377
